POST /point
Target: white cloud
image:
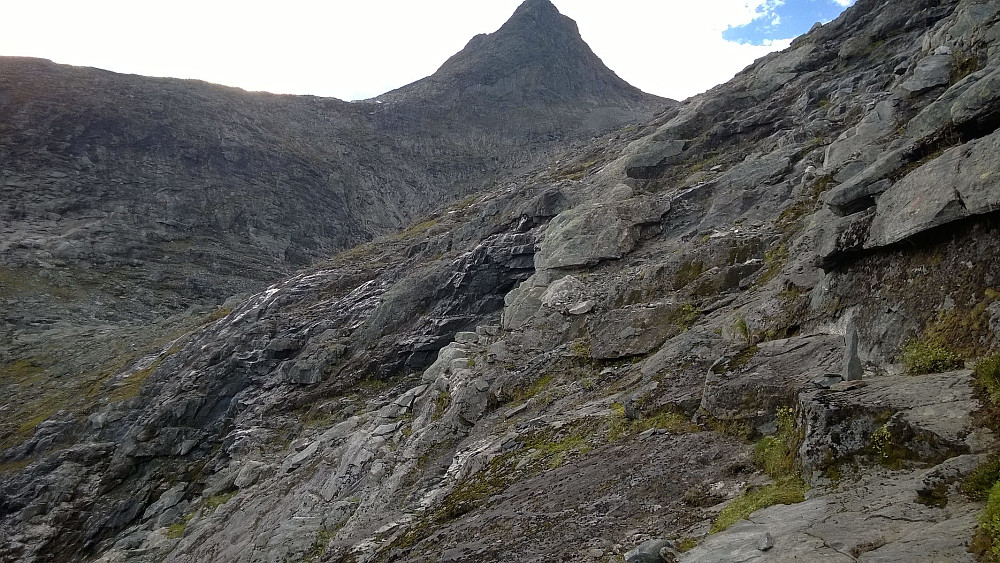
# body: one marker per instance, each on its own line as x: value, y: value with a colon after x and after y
x: 357, y: 49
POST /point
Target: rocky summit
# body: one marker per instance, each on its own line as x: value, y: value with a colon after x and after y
x: 757, y: 325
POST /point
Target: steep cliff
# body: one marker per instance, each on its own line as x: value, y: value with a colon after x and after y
x: 763, y: 303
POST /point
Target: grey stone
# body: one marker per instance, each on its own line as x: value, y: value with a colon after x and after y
x: 488, y: 330
x: 387, y: 429
x: 980, y: 99
x: 852, y: 370
x: 860, y: 143
x: 931, y: 71
x: 563, y: 294
x: 590, y: 233
x: 765, y: 542
x: 467, y: 338
x: 828, y: 380
x: 516, y: 410
x: 847, y: 385
x: 648, y: 552
x: 652, y: 154
x: 958, y: 184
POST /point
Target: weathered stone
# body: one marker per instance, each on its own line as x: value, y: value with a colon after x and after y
x: 980, y: 101
x: 959, y: 183
x: 848, y: 385
x: 387, y: 429
x: 652, y: 154
x: 563, y: 294
x: 931, y: 71
x: 860, y: 143
x: 828, y: 380
x: 632, y: 331
x: 765, y: 542
x: 590, y: 233
x: 648, y: 552
x: 852, y: 370
x: 466, y: 338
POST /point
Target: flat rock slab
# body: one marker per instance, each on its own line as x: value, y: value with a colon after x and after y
x: 941, y: 403
x: 875, y: 519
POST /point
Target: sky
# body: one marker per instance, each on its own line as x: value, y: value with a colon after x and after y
x: 357, y: 49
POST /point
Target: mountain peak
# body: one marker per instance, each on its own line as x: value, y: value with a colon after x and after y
x: 538, y: 55
x: 537, y: 10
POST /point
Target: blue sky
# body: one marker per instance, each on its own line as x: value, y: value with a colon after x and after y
x: 781, y: 19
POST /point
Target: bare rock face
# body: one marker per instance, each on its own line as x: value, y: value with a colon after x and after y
x: 597, y: 359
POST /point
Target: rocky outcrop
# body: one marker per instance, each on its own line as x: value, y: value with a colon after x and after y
x: 597, y: 360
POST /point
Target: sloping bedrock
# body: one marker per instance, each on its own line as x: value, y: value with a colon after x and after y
x: 962, y: 182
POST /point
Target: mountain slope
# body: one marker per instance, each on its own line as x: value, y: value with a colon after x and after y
x: 133, y: 208
x: 668, y: 329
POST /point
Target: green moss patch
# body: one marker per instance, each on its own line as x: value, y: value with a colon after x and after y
x: 619, y: 426
x: 987, y: 375
x: 687, y: 273
x: 980, y: 481
x: 785, y: 491
x: 925, y: 356
x: 776, y: 454
x: 987, y: 541
x: 175, y: 531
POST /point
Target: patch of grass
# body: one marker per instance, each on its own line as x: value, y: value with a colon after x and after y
x: 15, y: 466
x: 988, y: 535
x: 464, y: 203
x: 554, y: 452
x: 215, y: 501
x: 319, y: 546
x: 581, y: 349
x: 776, y: 454
x: 534, y: 389
x: 962, y: 65
x: 965, y: 331
x: 578, y: 171
x: 774, y: 261
x: 789, y: 490
x: 687, y: 273
x: 131, y: 385
x: 923, y: 356
x: 889, y: 452
x: 741, y: 328
x: 736, y: 427
x: 738, y: 362
x: 418, y: 229
x: 619, y: 426
x: 987, y: 374
x: 23, y: 371
x: 685, y: 544
x: 441, y: 404
x: 684, y: 316
x: 977, y: 484
x: 217, y: 314
x: 176, y: 531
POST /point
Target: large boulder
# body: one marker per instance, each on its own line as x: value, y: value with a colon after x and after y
x: 962, y: 182
x: 592, y: 232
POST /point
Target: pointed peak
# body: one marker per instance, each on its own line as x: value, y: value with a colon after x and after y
x: 539, y: 14
x: 536, y: 7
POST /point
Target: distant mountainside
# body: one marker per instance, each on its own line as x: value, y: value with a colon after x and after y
x: 218, y: 189
x: 535, y: 75
x: 763, y: 325
x: 131, y: 205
